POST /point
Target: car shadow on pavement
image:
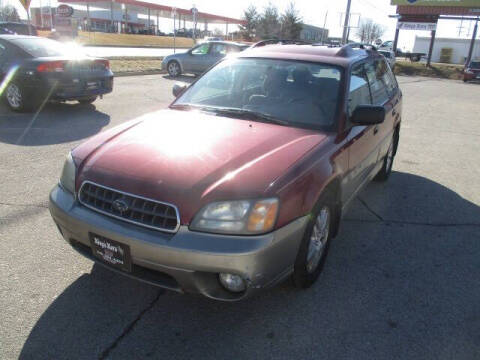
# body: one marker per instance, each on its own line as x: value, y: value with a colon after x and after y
x: 401, y: 281
x: 56, y: 123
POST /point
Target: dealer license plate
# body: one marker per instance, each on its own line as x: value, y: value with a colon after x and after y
x: 111, y: 252
x: 91, y: 85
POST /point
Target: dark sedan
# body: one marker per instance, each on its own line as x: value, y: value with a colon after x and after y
x: 34, y: 70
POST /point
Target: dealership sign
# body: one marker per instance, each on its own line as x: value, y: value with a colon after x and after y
x: 421, y: 26
x: 462, y: 3
x: 64, y: 10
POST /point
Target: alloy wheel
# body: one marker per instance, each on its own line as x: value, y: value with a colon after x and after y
x: 318, y: 239
x: 173, y: 69
x: 14, y: 96
x: 389, y: 160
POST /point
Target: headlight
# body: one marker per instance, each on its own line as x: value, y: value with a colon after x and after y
x: 67, y: 180
x: 237, y: 217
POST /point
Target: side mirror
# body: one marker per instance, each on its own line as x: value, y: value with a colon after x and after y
x: 178, y: 88
x: 368, y: 115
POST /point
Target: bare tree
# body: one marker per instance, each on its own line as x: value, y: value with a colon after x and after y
x: 291, y: 23
x: 9, y: 13
x: 369, y: 31
x: 249, y: 29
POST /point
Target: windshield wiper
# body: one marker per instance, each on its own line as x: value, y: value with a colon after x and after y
x: 184, y: 106
x: 249, y: 114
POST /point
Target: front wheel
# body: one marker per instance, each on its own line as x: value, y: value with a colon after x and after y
x: 314, y: 247
x: 173, y: 69
x: 386, y: 170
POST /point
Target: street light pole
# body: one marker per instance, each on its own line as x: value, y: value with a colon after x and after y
x: 472, y: 44
x: 347, y: 20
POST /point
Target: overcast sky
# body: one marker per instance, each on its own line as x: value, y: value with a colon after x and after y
x: 312, y: 12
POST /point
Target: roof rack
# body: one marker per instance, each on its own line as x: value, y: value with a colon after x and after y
x: 280, y: 42
x: 362, y: 46
x: 346, y: 50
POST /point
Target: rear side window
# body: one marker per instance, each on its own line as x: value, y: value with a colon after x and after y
x: 359, y: 92
x: 38, y: 47
x: 378, y: 85
x: 233, y: 49
x: 218, y: 49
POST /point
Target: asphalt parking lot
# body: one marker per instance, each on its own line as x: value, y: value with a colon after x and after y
x: 402, y: 280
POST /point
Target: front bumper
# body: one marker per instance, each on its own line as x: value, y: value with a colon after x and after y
x: 186, y: 261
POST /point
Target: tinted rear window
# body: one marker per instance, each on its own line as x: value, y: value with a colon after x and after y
x: 38, y: 47
x: 19, y: 29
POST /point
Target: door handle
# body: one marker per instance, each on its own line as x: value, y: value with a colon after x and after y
x: 375, y: 130
x: 394, y: 112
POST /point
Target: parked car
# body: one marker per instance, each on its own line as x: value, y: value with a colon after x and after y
x: 200, y: 58
x: 390, y: 56
x: 472, y: 71
x: 39, y: 69
x: 17, y: 28
x: 242, y: 182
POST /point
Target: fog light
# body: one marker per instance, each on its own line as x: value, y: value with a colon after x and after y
x: 233, y: 283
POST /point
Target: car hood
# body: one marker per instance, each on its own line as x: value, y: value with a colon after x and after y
x: 190, y: 158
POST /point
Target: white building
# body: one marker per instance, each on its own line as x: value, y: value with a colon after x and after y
x: 460, y: 48
x: 313, y: 33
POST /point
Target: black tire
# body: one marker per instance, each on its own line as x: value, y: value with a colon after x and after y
x: 387, y: 166
x: 464, y: 80
x: 15, y: 97
x: 174, y: 69
x: 87, y: 101
x: 305, y: 275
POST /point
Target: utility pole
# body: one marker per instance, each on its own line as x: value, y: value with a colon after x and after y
x: 324, y: 28
x: 472, y: 44
x: 347, y: 20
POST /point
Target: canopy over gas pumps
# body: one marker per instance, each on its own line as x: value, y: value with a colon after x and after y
x: 148, y: 9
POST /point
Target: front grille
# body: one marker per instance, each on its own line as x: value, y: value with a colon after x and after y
x: 131, y: 208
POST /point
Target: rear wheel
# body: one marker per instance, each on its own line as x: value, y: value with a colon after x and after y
x: 87, y: 101
x: 173, y: 69
x: 15, y: 97
x: 315, y: 244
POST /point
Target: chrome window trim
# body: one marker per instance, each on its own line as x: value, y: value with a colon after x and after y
x: 128, y: 220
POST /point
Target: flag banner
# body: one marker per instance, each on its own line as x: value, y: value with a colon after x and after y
x: 25, y: 3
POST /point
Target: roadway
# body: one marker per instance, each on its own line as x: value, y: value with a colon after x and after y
x: 402, y: 280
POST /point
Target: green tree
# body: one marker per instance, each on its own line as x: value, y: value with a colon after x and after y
x: 9, y: 13
x: 291, y: 23
x: 269, y: 23
x: 249, y: 29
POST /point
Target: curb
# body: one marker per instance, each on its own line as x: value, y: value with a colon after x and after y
x: 136, y: 46
x: 138, y: 73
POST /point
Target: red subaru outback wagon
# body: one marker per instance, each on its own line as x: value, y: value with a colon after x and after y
x: 243, y: 181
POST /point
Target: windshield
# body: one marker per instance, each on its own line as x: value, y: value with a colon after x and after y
x: 475, y: 64
x: 38, y: 47
x: 293, y: 92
